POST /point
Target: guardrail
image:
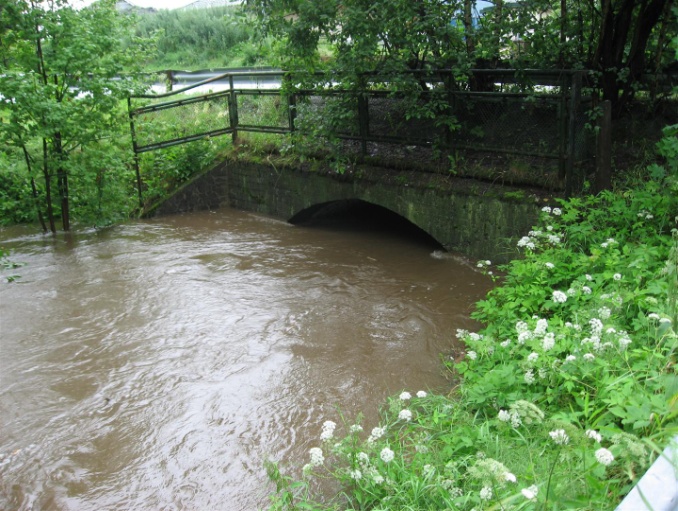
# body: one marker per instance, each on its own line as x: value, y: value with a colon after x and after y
x: 529, y: 113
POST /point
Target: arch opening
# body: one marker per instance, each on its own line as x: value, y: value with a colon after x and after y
x: 362, y: 216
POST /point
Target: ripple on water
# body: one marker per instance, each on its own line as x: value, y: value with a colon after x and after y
x: 158, y: 364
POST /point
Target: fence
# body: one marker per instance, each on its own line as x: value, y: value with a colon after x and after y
x: 535, y: 114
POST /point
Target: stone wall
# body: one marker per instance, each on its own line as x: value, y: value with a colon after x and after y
x: 478, y: 220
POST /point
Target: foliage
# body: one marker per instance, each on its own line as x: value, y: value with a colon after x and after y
x: 61, y: 86
x: 569, y: 391
x: 7, y: 264
x: 617, y: 40
x: 218, y: 35
x: 429, y: 452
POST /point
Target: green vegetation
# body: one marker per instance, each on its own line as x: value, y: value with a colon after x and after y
x: 568, y: 393
x: 618, y: 41
x: 193, y: 39
x: 63, y: 131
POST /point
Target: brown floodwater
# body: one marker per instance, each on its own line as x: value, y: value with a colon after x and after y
x: 156, y: 365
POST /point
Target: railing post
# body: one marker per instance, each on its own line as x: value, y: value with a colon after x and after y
x: 363, y: 120
x: 233, y: 110
x: 134, y: 149
x: 291, y: 102
x: 572, y: 180
x: 562, y: 128
x: 170, y: 81
x: 604, y: 152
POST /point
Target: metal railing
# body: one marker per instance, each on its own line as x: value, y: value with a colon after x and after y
x: 532, y: 113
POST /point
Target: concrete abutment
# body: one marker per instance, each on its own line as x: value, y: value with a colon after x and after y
x: 478, y: 220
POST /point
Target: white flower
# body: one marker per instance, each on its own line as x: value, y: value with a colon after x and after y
x: 589, y: 357
x: 405, y: 396
x: 532, y: 357
x: 557, y: 211
x: 527, y: 242
x: 376, y: 434
x: 604, y: 312
x: 596, y: 326
x: 504, y: 416
x: 486, y: 493
x: 617, y: 276
x: 653, y: 315
x: 594, y: 435
x: 559, y: 436
x: 511, y: 478
x: 586, y: 290
x: 553, y: 239
x: 588, y: 277
x: 356, y: 474
x: 405, y: 415
x: 624, y: 342
x: 472, y: 355
x: 356, y: 428
x: 549, y: 341
x: 505, y: 343
x: 546, y: 209
x: 529, y: 377
x: 570, y: 358
x: 559, y: 297
x: 530, y: 493
x: 387, y: 455
x: 665, y: 321
x: 550, y: 266
x: 422, y: 393
x: 363, y: 458
x: 317, y: 457
x: 540, y: 328
x: 604, y: 456
x: 328, y: 430
x: 378, y: 479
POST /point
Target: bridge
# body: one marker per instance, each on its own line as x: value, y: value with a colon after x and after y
x: 475, y: 218
x: 482, y: 222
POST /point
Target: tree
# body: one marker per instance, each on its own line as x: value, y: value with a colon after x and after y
x: 63, y: 74
x: 615, y: 38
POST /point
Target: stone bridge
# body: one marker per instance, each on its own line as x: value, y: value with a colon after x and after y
x: 478, y: 220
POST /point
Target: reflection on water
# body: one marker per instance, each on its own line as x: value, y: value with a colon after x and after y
x: 157, y: 364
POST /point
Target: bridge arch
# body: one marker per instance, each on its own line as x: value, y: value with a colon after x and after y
x: 482, y: 221
x: 364, y: 215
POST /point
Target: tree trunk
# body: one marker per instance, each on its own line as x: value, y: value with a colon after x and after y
x: 648, y: 17
x: 48, y: 186
x: 563, y: 32
x: 27, y: 157
x: 62, y: 183
x: 469, y: 29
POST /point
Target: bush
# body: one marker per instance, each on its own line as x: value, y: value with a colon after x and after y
x: 568, y: 393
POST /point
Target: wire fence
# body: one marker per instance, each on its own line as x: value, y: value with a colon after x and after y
x: 538, y: 115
